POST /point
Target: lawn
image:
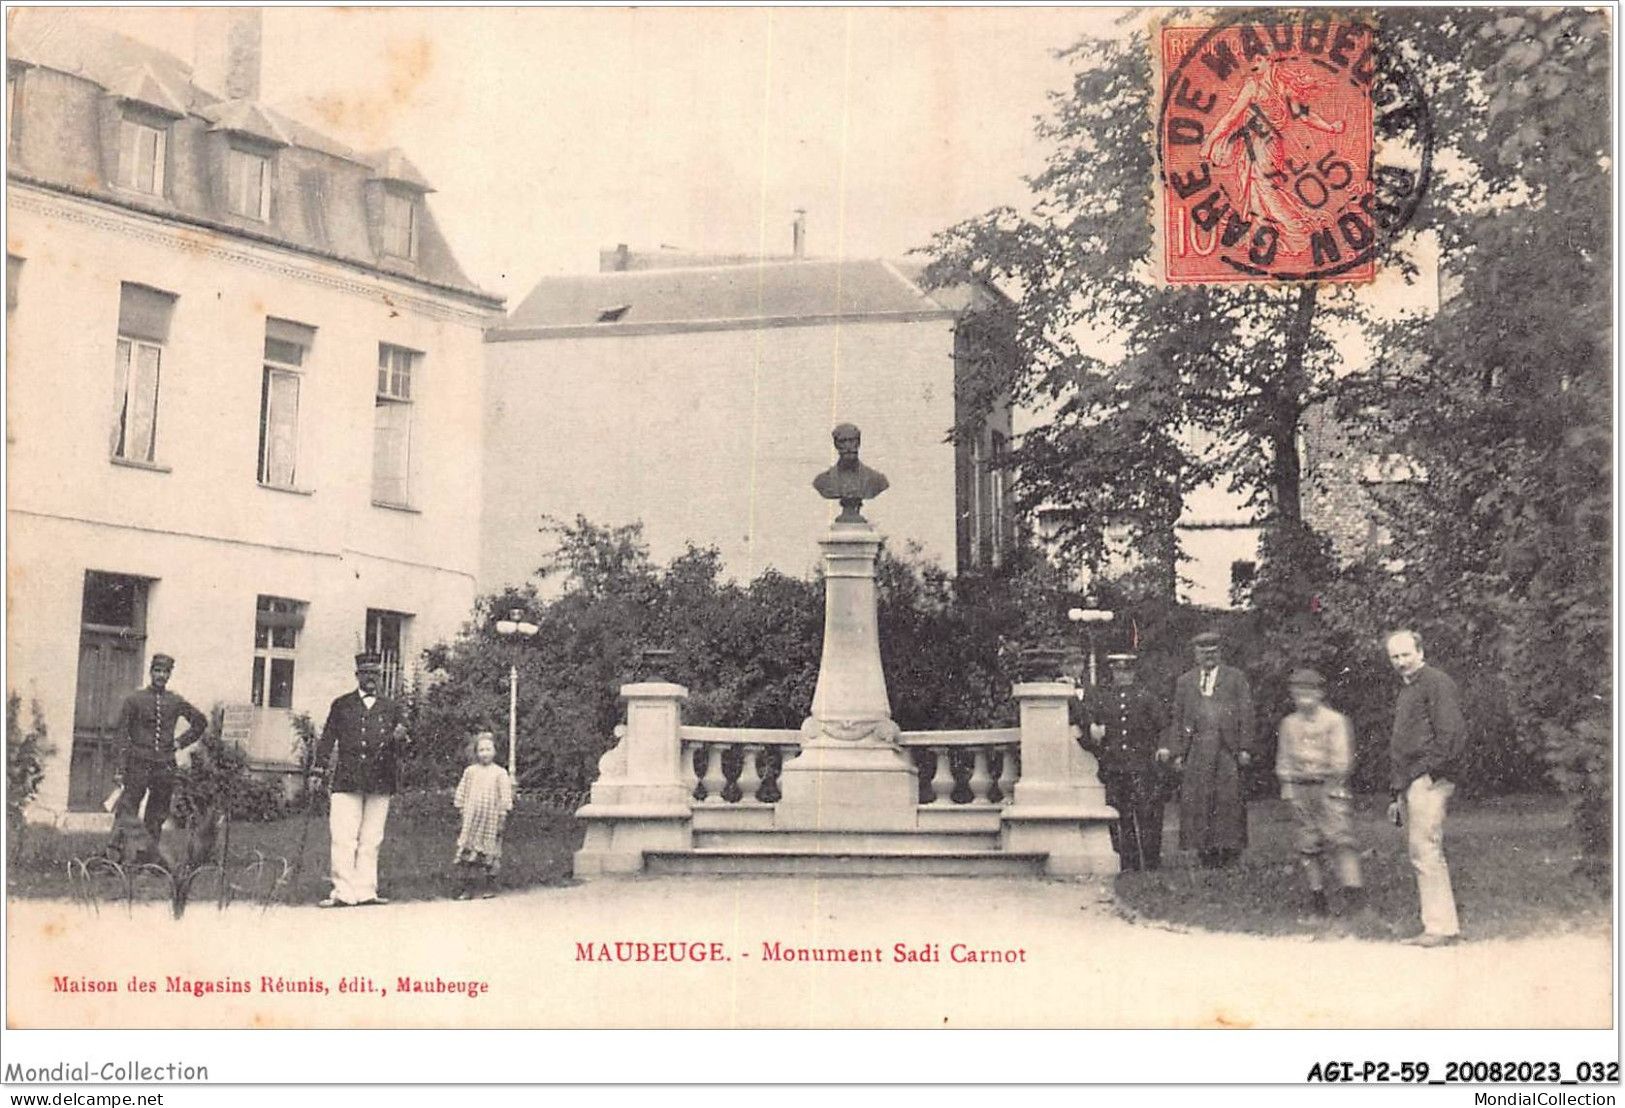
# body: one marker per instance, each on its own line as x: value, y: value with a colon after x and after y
x: 415, y: 863
x: 1512, y: 862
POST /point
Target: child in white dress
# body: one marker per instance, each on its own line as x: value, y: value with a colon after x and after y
x: 484, y: 797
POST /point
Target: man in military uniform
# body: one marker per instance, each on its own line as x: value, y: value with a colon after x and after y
x: 146, y: 723
x: 1123, y: 729
x: 360, y: 754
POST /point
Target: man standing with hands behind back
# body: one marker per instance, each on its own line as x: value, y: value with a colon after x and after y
x: 1425, y: 753
x: 1210, y: 738
x: 362, y: 746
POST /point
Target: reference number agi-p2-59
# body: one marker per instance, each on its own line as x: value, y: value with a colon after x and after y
x: 1461, y: 1072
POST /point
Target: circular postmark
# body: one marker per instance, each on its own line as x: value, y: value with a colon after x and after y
x: 1291, y: 147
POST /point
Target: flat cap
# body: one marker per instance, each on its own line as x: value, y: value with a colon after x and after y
x: 1306, y: 679
x: 1206, y: 638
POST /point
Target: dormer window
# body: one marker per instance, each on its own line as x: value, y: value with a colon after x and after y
x: 248, y: 184
x: 143, y: 142
x: 401, y: 224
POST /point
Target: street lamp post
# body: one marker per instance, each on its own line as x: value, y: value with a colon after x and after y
x: 1089, y: 617
x: 515, y: 624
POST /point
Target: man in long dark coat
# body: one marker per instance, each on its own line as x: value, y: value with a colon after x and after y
x: 1211, y: 739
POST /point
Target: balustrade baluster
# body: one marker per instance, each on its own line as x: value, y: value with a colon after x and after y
x: 696, y: 772
x: 733, y: 760
x: 942, y: 778
x: 750, y: 774
x: 770, y: 763
x: 981, y: 781
x: 714, y: 780
x: 1007, y: 774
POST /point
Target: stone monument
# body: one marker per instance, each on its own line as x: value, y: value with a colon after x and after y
x: 851, y: 774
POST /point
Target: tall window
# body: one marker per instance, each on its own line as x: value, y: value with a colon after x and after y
x: 143, y: 328
x: 999, y: 495
x: 286, y: 346
x: 400, y: 225
x: 387, y: 637
x: 12, y: 80
x: 277, y: 623
x: 248, y: 184
x: 392, y: 425
x: 141, y: 155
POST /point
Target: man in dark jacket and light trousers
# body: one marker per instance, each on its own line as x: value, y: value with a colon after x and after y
x: 1425, y: 754
x: 362, y: 747
x: 1210, y: 739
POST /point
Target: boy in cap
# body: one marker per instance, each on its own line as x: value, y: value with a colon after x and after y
x: 1313, y: 760
x: 360, y: 753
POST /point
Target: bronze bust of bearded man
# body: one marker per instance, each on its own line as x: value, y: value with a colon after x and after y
x: 849, y: 480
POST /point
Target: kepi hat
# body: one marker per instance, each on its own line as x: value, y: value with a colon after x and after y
x: 367, y: 659
x: 164, y: 660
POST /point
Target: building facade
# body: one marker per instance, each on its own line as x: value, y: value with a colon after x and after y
x: 697, y: 398
x: 244, y: 398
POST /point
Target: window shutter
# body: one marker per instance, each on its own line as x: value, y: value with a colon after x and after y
x: 392, y: 427
x: 282, y: 427
x: 286, y: 330
x: 141, y: 418
x: 144, y: 313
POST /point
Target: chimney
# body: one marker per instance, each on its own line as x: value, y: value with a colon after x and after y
x: 798, y: 235
x: 226, y: 52
x: 623, y: 257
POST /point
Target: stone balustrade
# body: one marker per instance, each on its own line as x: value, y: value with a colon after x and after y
x: 731, y: 765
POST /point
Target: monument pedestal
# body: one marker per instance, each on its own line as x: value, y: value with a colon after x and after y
x: 850, y: 775
x: 848, y: 788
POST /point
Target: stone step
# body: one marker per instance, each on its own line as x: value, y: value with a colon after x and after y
x: 849, y: 842
x: 879, y: 863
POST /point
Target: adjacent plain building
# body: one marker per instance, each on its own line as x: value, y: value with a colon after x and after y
x: 696, y: 395
x: 244, y: 396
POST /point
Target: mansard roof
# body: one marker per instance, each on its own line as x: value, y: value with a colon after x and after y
x: 71, y: 74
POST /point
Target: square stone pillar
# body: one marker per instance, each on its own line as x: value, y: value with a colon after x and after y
x: 640, y: 801
x: 1059, y: 806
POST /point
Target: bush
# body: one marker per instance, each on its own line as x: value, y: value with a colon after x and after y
x: 749, y: 654
x: 218, y: 781
x: 26, y: 752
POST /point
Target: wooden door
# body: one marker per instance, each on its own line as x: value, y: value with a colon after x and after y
x: 110, y: 656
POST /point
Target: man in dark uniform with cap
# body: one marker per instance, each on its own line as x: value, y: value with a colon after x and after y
x: 1123, y: 728
x: 146, y: 722
x: 360, y: 753
x: 1210, y: 739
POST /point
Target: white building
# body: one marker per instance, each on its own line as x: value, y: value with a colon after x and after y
x: 696, y: 395
x: 244, y: 396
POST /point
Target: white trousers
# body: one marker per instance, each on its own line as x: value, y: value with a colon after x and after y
x: 1425, y: 803
x: 356, y: 824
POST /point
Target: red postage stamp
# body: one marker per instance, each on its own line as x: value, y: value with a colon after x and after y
x: 1266, y: 141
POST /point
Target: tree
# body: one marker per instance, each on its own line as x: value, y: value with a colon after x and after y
x: 1506, y: 395
x: 1503, y: 399
x: 749, y: 654
x: 1132, y: 375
